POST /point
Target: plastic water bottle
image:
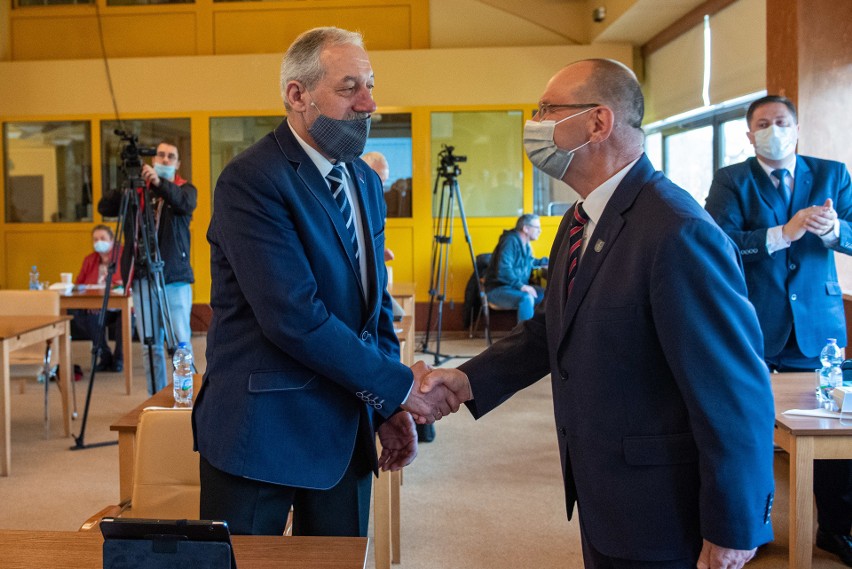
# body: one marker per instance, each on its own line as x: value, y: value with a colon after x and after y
x: 830, y: 376
x: 34, y: 282
x: 182, y: 361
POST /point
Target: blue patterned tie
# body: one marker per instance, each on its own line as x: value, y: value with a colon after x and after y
x: 335, y: 183
x: 575, y: 242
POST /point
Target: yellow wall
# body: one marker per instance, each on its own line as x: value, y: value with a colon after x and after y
x: 414, y: 81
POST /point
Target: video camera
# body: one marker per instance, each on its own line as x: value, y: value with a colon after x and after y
x: 131, y: 163
x: 448, y: 166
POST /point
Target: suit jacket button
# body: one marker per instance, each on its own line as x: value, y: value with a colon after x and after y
x: 563, y: 431
x: 793, y: 296
x: 563, y: 375
x: 365, y: 335
x: 792, y: 266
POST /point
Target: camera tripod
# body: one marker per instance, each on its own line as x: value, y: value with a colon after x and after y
x: 136, y: 218
x: 448, y: 173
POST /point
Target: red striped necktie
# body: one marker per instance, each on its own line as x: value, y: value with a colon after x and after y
x: 575, y: 242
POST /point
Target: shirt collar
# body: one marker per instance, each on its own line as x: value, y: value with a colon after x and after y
x: 321, y: 162
x: 598, y: 198
x: 789, y: 165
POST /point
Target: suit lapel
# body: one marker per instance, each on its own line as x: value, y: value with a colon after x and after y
x: 803, y: 185
x: 317, y: 186
x: 602, y: 240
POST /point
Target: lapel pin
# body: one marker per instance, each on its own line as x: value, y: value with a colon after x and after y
x: 599, y: 246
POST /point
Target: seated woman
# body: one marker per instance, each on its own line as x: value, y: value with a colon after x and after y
x: 94, y: 272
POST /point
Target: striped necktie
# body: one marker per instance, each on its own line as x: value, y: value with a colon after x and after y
x: 335, y: 183
x: 575, y: 242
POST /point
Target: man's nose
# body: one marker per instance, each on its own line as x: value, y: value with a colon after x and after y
x: 365, y: 102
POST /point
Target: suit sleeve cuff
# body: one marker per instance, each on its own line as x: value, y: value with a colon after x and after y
x: 775, y: 239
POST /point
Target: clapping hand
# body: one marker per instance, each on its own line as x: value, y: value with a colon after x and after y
x: 817, y: 219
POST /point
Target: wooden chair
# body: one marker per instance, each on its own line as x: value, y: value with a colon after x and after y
x: 33, y: 362
x: 166, y: 482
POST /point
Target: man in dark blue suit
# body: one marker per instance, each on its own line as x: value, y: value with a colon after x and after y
x: 302, y: 360
x: 788, y: 214
x: 663, y: 406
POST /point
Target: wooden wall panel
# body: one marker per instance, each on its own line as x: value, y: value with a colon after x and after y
x: 272, y: 31
x: 130, y: 35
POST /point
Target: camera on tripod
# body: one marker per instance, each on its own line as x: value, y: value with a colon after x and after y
x: 131, y: 153
x: 448, y: 162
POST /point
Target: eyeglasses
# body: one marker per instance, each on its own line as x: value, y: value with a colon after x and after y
x: 547, y: 108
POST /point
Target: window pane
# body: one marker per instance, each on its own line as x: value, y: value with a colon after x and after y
x: 48, y: 171
x: 150, y: 133
x: 689, y: 161
x: 231, y: 135
x: 22, y: 3
x: 654, y: 149
x: 735, y: 144
x: 390, y: 134
x: 491, y: 180
x: 146, y: 2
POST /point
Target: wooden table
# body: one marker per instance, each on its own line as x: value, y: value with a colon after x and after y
x: 93, y: 299
x: 18, y: 332
x: 83, y: 550
x: 806, y: 439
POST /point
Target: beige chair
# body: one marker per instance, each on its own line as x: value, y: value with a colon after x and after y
x: 35, y: 361
x: 166, y: 483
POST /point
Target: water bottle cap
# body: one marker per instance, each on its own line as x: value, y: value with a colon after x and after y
x: 183, y: 345
x: 832, y: 340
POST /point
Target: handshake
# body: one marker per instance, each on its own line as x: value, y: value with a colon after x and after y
x: 436, y: 393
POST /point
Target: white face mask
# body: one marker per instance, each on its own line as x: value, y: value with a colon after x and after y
x: 102, y: 246
x: 776, y: 142
x: 543, y: 152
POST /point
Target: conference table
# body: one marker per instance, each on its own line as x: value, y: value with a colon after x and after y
x: 83, y: 550
x: 93, y: 299
x: 18, y: 332
x: 805, y: 439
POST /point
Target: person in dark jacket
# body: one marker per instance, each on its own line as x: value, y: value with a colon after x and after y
x: 173, y: 200
x: 507, y: 278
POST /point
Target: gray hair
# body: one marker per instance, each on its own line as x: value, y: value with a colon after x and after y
x: 302, y: 60
x: 525, y: 220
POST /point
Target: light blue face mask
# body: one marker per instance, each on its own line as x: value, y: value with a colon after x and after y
x: 543, y: 152
x: 164, y: 171
x: 102, y: 246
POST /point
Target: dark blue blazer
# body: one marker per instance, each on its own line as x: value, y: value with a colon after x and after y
x: 664, y: 413
x: 295, y: 354
x: 796, y: 286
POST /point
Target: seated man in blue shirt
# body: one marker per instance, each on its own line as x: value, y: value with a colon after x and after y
x: 508, y: 274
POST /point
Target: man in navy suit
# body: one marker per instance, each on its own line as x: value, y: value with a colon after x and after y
x: 663, y: 406
x: 788, y: 214
x: 302, y: 360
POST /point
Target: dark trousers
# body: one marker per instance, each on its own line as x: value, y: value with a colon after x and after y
x: 252, y: 507
x: 86, y: 321
x: 832, y: 478
x: 594, y: 559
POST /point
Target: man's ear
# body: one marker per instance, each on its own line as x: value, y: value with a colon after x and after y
x: 295, y: 93
x: 601, y: 121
